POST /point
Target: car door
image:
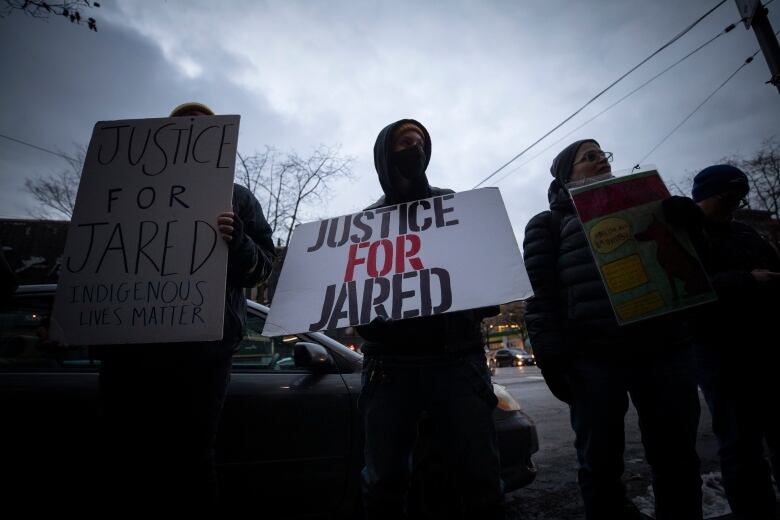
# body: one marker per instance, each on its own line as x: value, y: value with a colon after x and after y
x: 49, y: 403
x: 285, y: 434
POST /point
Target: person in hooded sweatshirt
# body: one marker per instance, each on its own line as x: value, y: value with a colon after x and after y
x: 594, y: 365
x: 432, y: 367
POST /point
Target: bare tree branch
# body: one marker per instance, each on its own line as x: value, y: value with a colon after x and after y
x: 41, y: 9
x: 763, y: 171
x: 290, y: 184
x: 56, y: 193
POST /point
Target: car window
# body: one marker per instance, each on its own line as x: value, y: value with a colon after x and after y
x: 261, y: 352
x: 24, y: 338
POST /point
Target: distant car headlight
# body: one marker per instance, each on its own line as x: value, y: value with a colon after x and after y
x: 505, y: 400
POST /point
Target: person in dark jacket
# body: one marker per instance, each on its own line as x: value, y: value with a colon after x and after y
x: 432, y: 367
x: 594, y: 365
x: 162, y: 402
x: 736, y: 361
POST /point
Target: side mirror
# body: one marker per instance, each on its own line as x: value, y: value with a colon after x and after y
x: 313, y: 356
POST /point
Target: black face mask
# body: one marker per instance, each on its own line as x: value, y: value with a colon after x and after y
x: 410, y: 162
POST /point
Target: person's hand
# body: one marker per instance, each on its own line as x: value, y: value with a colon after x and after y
x: 681, y: 211
x: 765, y: 276
x: 231, y: 228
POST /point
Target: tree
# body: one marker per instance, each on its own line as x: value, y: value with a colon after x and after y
x: 763, y: 171
x: 57, y: 193
x: 288, y: 185
x: 41, y: 9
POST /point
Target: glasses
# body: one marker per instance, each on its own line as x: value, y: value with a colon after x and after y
x: 595, y: 156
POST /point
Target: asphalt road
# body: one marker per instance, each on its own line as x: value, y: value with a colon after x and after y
x: 554, y: 495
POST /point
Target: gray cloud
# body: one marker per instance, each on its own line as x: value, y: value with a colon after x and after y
x: 487, y: 78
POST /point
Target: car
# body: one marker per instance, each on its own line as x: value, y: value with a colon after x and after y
x: 290, y: 434
x: 512, y: 357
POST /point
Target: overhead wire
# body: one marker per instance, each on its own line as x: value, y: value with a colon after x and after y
x: 728, y: 29
x: 42, y: 149
x: 594, y: 98
x: 667, y: 136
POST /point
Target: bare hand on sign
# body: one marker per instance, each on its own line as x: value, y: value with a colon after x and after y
x: 225, y: 224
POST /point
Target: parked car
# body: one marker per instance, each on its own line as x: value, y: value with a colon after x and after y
x: 512, y: 357
x: 290, y: 437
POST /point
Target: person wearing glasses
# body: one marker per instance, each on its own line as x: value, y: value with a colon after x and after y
x: 743, y: 399
x: 594, y: 365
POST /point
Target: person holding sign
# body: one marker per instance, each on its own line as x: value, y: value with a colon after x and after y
x: 594, y: 365
x: 432, y: 366
x: 162, y: 401
x: 745, y: 272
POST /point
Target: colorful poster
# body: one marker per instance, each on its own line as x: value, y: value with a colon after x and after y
x: 143, y: 261
x: 421, y: 258
x: 648, y: 266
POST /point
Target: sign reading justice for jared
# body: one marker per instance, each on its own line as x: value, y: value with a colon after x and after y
x: 144, y: 261
x: 442, y: 254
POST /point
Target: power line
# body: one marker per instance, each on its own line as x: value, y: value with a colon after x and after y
x: 747, y: 61
x: 58, y: 154
x: 594, y: 98
x: 613, y: 105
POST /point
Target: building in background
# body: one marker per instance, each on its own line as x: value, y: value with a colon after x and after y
x: 507, y: 329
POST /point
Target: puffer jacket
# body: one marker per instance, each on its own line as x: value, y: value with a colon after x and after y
x: 450, y: 333
x: 570, y: 314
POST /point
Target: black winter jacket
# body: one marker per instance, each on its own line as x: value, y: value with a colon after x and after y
x: 746, y: 310
x: 570, y: 314
x: 454, y: 332
x: 257, y: 249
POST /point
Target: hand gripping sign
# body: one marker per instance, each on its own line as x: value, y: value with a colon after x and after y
x: 144, y: 262
x: 431, y: 256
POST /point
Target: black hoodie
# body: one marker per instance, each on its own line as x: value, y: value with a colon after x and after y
x: 388, y: 173
x: 450, y: 333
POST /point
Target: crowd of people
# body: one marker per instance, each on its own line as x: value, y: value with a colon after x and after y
x: 435, y: 367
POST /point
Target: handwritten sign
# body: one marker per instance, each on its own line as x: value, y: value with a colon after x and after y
x: 144, y: 262
x: 648, y: 267
x: 431, y: 256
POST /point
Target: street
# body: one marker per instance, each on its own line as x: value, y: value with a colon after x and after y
x: 554, y: 495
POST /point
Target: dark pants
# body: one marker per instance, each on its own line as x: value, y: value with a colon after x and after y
x: 161, y: 406
x: 454, y: 396
x: 663, y: 390
x: 743, y: 403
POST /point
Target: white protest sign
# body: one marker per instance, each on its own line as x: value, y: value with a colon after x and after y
x: 442, y: 254
x: 144, y: 262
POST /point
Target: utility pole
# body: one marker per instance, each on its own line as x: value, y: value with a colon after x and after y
x: 755, y: 15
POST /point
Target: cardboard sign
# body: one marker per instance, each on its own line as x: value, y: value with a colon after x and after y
x: 648, y: 266
x: 431, y: 256
x: 144, y: 262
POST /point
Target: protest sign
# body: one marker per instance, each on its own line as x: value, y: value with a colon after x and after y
x: 648, y: 266
x: 421, y: 258
x: 144, y: 261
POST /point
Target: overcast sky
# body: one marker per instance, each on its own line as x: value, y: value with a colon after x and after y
x: 487, y: 78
